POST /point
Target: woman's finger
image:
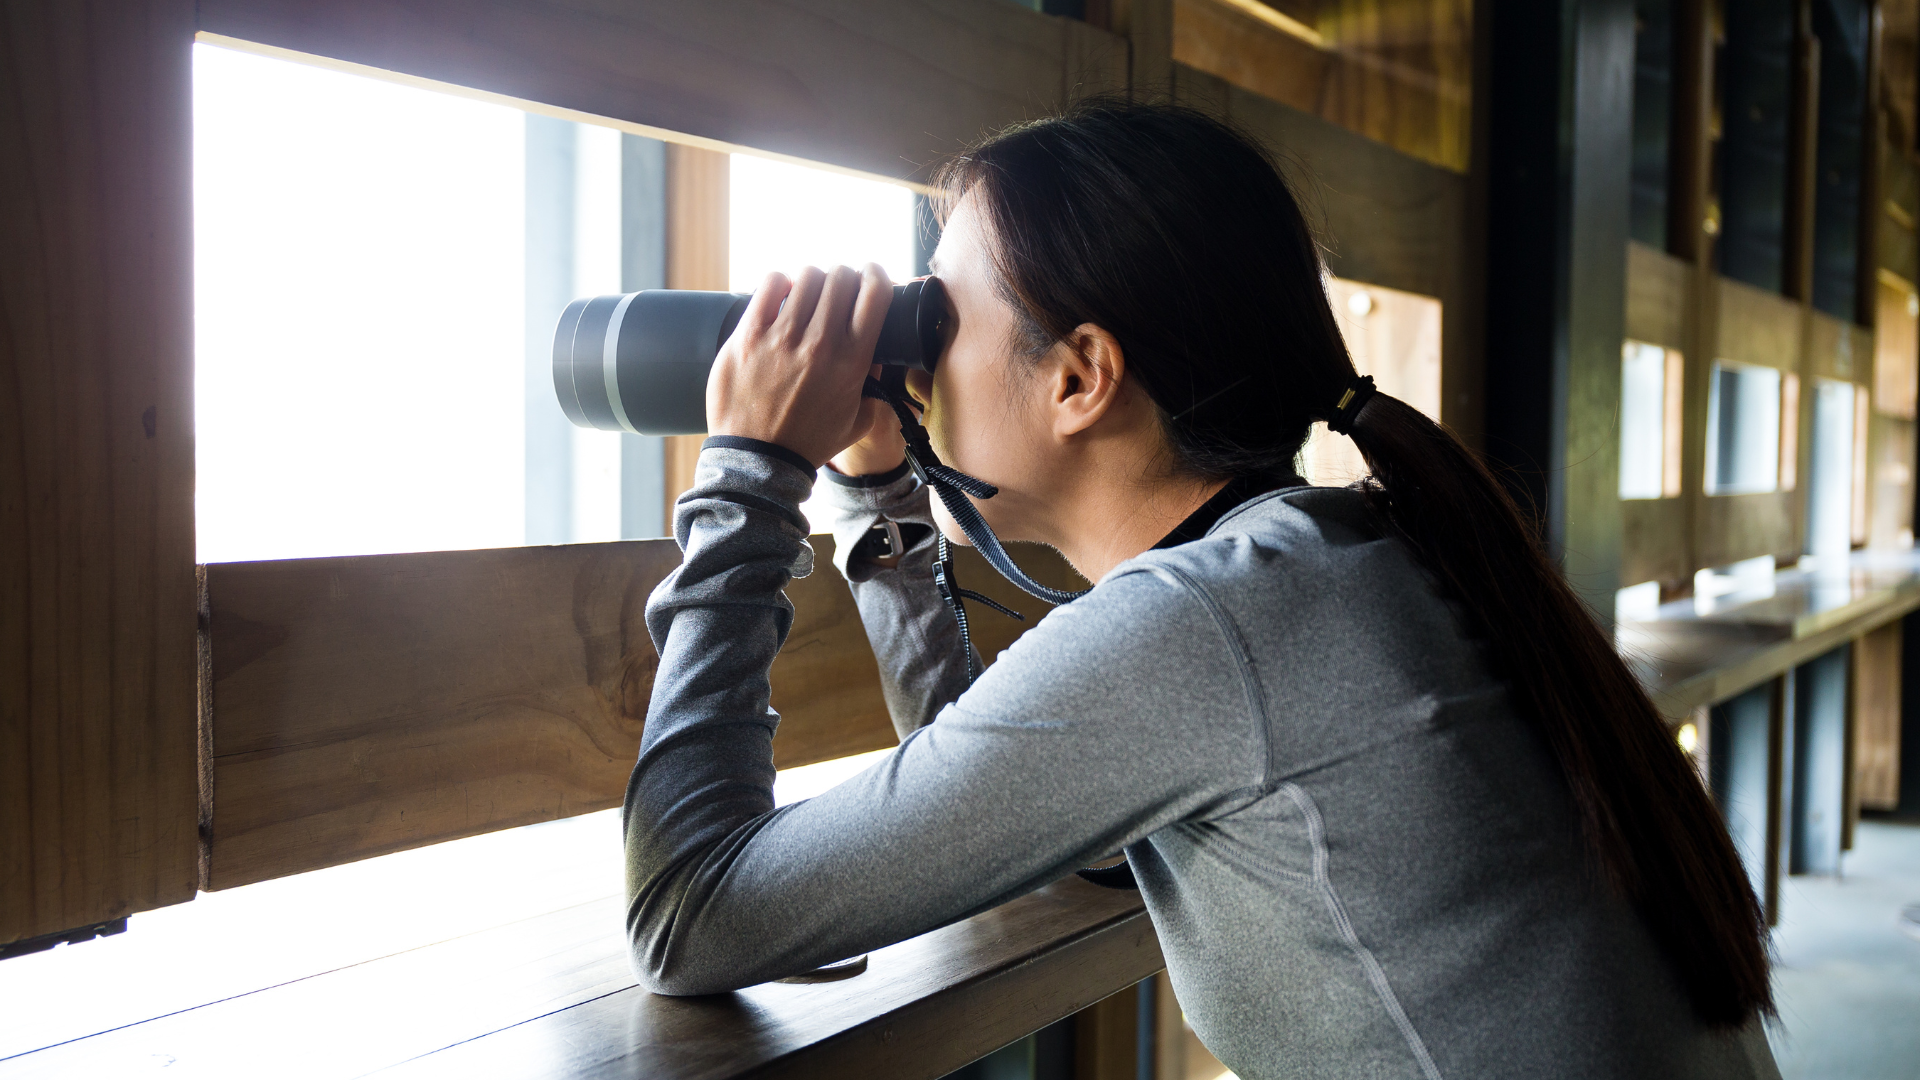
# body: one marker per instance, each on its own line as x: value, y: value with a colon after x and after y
x: 836, y: 307
x: 797, y: 315
x: 766, y: 301
x: 870, y: 309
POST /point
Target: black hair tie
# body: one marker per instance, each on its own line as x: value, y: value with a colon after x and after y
x: 1359, y: 392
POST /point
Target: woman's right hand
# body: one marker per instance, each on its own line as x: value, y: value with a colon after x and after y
x: 880, y: 447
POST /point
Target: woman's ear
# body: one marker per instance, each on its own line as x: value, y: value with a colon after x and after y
x: 1084, y: 371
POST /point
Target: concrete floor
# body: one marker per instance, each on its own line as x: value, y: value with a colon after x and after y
x: 1846, y: 979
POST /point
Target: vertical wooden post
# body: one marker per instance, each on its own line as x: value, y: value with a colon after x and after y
x: 1778, y: 777
x: 1690, y: 136
x: 97, y: 598
x: 1106, y: 1038
x: 1148, y: 27
x: 1803, y: 153
x: 1873, y: 136
x: 697, y: 238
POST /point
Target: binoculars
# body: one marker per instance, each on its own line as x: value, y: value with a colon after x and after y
x: 639, y: 362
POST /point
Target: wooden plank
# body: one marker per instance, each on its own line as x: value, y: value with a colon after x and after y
x: 97, y: 778
x: 1657, y: 295
x: 1106, y: 1038
x: 1758, y: 327
x: 553, y: 996
x: 369, y: 704
x: 922, y: 1008
x: 1876, y: 754
x: 698, y: 229
x: 1399, y: 74
x: 881, y: 87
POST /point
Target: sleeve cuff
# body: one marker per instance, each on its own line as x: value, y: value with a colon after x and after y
x: 778, y: 453
x: 872, y: 480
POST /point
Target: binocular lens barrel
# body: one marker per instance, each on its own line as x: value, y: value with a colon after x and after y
x: 639, y: 362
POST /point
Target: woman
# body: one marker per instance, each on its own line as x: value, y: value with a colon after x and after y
x: 1395, y: 806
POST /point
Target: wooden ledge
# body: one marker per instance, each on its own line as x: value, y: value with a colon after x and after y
x: 552, y: 996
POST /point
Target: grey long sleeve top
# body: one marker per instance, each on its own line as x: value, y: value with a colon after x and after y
x: 1359, y: 860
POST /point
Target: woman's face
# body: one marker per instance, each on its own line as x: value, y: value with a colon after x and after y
x: 985, y: 412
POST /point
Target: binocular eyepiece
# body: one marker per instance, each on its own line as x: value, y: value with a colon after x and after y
x: 639, y: 362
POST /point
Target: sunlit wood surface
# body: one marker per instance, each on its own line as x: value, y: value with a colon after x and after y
x: 361, y: 705
x: 552, y: 996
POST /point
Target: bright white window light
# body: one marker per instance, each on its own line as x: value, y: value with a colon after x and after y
x: 1830, y: 502
x: 783, y: 216
x: 1743, y: 430
x: 1643, y: 390
x: 596, y: 272
x: 358, y: 310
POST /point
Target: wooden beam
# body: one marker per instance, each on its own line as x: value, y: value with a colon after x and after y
x: 369, y: 704
x: 886, y: 88
x: 1876, y: 744
x: 96, y: 463
x: 1803, y: 153
x: 699, y: 207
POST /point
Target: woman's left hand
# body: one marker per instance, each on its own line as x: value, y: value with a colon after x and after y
x: 792, y: 371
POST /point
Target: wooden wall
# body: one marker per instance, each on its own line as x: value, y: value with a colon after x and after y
x: 98, y: 763
x: 97, y: 770
x: 884, y: 88
x: 363, y: 705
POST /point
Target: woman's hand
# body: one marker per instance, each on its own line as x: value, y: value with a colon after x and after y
x: 792, y: 371
x: 880, y: 447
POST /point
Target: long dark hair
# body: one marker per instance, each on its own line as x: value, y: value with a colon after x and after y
x: 1179, y: 235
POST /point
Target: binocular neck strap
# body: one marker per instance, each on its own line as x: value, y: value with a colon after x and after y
x: 954, y: 487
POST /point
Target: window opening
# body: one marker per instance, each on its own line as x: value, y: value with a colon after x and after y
x: 1393, y: 336
x: 1650, y: 421
x: 1831, y: 480
x: 1743, y: 429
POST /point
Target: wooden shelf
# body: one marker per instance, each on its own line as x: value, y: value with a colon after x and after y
x: 1688, y: 657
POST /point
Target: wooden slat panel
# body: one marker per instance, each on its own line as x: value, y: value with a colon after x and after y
x: 1657, y: 291
x: 1397, y: 73
x: 1759, y: 327
x: 97, y: 804
x: 1876, y: 658
x: 369, y: 704
x: 882, y: 87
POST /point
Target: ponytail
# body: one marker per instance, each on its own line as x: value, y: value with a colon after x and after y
x: 1179, y: 236
x: 1647, y: 823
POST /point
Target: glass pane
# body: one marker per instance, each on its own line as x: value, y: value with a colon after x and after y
x: 1652, y: 111
x: 1643, y: 413
x: 1743, y: 430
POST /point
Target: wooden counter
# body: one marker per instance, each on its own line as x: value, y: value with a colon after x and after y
x: 552, y: 997
x: 1696, y: 655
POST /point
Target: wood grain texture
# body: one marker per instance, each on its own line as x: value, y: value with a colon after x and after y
x: 97, y: 771
x: 1658, y: 311
x: 923, y: 1007
x: 698, y: 205
x: 880, y: 87
x: 369, y: 704
x: 1759, y: 327
x: 1106, y: 1038
x: 552, y: 996
x: 1394, y: 72
x: 1876, y: 711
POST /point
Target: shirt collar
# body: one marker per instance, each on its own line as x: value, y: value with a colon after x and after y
x: 1238, y: 490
